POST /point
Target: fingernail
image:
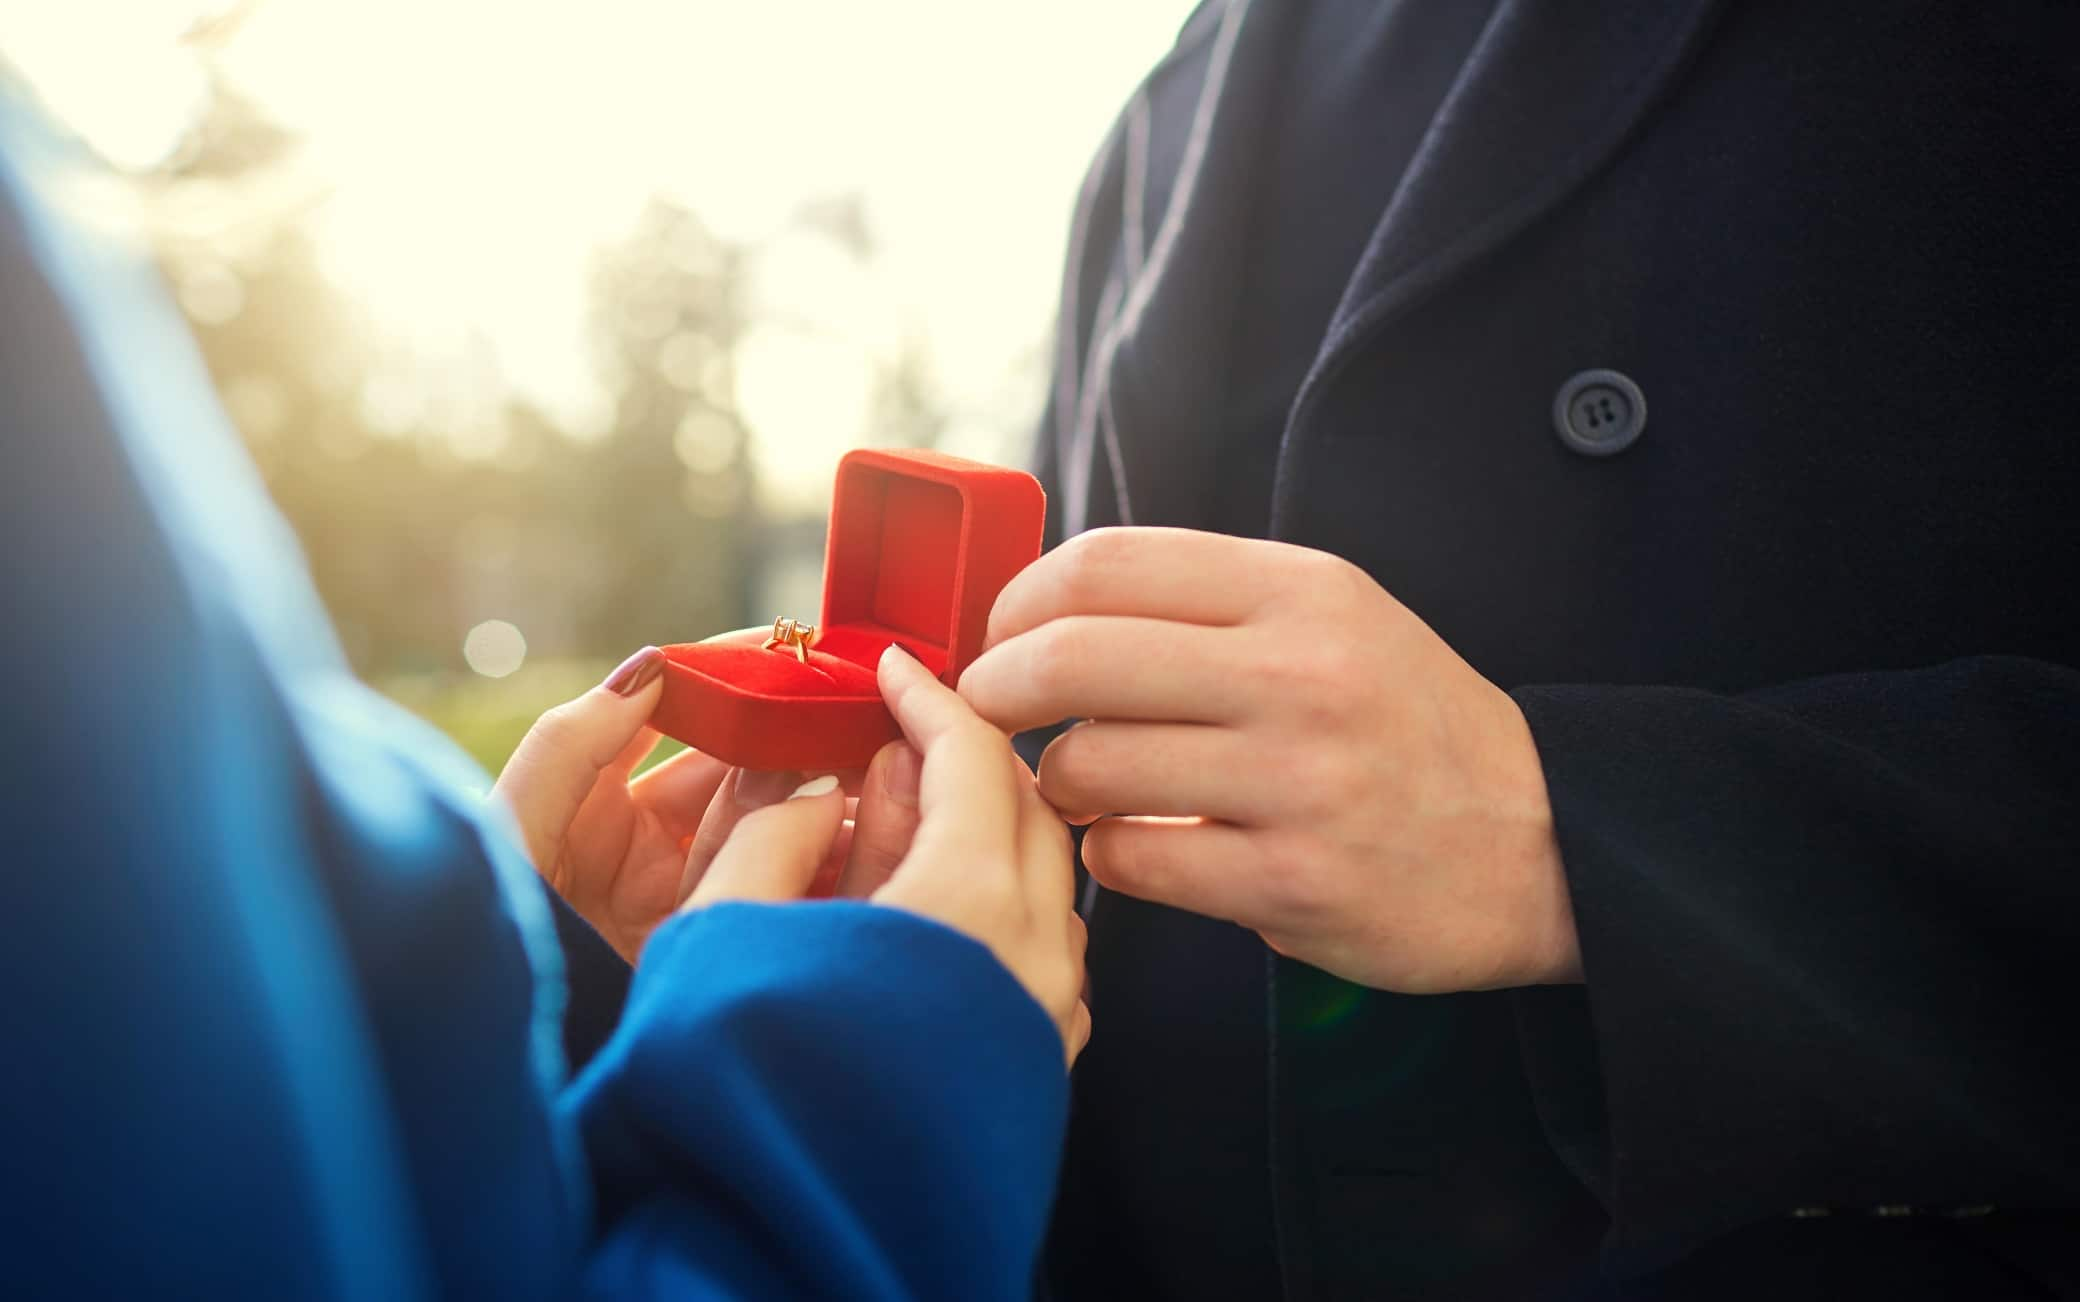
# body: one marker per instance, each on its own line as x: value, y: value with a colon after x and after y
x: 822, y: 786
x: 637, y: 672
x: 902, y: 775
x: 755, y: 789
x: 896, y: 655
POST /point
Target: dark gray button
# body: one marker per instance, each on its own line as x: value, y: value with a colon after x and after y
x: 1599, y: 413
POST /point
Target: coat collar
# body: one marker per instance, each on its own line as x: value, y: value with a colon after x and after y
x: 1548, y: 95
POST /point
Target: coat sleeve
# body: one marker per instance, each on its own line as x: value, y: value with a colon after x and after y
x: 1828, y: 934
x: 596, y: 981
x: 828, y: 1100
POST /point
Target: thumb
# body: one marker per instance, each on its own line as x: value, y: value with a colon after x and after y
x: 774, y: 853
x: 562, y: 757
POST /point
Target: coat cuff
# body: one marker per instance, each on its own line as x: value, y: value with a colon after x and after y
x: 1790, y: 1008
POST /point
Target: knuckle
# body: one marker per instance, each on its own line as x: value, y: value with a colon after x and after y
x: 1316, y: 780
x: 983, y: 687
x: 557, y: 726
x: 980, y: 745
x: 1332, y: 579
x: 1055, y: 656
x: 1088, y: 558
x: 1325, y: 666
x: 560, y: 733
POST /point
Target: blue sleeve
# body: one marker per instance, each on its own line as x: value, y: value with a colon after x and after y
x: 829, y: 1101
x: 596, y: 979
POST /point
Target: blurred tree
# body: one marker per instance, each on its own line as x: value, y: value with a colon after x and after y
x: 591, y: 544
x: 906, y: 409
x: 673, y: 479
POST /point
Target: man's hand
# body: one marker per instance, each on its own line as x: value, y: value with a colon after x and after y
x: 1271, y: 738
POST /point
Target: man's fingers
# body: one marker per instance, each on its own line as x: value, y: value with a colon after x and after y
x: 1207, y: 868
x: 773, y: 854
x: 1175, y: 574
x: 560, y: 759
x: 886, y: 820
x: 1176, y: 769
x: 743, y: 793
x: 1110, y: 667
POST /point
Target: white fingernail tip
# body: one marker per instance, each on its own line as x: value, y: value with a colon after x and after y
x: 822, y: 786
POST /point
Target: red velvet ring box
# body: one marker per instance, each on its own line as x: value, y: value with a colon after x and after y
x: 920, y: 545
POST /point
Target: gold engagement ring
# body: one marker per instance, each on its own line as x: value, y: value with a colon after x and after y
x: 794, y: 633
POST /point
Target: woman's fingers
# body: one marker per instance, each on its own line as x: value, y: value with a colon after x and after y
x: 1046, y: 856
x: 679, y: 790
x: 563, y: 756
x: 773, y: 854
x: 885, y: 822
x: 738, y: 796
x: 964, y: 794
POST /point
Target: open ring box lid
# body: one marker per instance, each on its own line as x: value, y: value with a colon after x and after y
x: 920, y: 545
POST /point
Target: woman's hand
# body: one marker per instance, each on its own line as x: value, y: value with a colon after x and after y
x: 617, y: 850
x: 614, y: 849
x: 949, y: 826
x: 990, y: 858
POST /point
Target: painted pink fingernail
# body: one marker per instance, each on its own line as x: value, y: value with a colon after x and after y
x: 635, y: 673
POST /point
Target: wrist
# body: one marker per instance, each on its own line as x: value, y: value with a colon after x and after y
x: 1547, y: 948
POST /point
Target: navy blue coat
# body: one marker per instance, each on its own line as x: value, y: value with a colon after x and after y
x: 283, y: 1003
x: 1800, y: 662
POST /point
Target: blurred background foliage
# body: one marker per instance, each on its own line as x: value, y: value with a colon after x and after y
x: 416, y: 516
x: 525, y: 408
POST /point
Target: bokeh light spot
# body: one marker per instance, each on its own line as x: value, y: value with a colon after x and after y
x: 494, y: 648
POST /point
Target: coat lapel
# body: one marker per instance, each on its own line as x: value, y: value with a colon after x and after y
x: 1159, y: 359
x: 1547, y: 97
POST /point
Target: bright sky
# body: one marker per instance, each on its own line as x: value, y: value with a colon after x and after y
x: 466, y: 156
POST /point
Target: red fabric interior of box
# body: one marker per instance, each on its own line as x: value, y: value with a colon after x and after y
x: 895, y: 565
x: 750, y: 668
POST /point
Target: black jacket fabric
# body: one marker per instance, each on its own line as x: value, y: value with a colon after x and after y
x: 1800, y: 662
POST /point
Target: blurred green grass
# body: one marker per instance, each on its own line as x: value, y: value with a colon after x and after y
x: 488, y: 716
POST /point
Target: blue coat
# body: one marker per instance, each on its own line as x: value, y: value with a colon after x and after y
x: 282, y: 1006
